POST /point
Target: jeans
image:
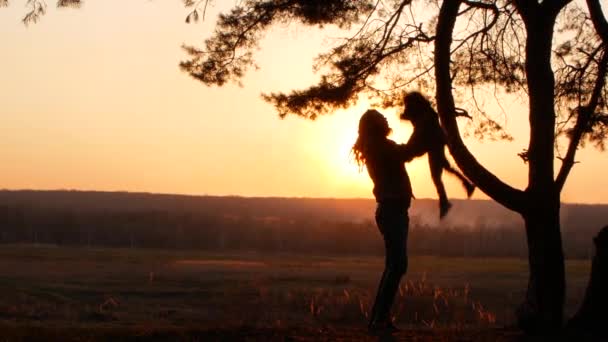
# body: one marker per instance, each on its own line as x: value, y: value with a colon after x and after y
x: 393, y: 222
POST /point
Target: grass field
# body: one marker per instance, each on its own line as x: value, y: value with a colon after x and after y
x: 52, y: 293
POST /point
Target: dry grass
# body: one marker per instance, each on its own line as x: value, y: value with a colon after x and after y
x: 98, y: 294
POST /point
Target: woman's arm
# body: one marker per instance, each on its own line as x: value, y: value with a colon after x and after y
x: 415, y: 147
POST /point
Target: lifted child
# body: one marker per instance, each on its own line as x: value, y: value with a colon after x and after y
x: 428, y: 137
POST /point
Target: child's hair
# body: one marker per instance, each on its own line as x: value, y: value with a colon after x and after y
x: 417, y: 106
x: 372, y: 127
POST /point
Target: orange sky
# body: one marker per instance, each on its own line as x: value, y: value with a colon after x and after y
x: 93, y: 99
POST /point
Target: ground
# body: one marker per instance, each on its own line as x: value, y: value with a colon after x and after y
x: 90, y: 294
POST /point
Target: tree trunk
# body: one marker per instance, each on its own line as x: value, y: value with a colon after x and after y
x: 543, y: 308
x: 591, y: 317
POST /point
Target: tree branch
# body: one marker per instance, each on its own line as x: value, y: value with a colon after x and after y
x: 484, y: 29
x: 504, y: 194
x: 585, y: 112
x: 554, y: 6
x: 582, y: 122
x: 598, y: 19
x: 526, y: 8
x: 348, y: 81
x: 395, y: 18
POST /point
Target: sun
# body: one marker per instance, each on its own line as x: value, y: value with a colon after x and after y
x: 344, y: 164
x: 336, y: 136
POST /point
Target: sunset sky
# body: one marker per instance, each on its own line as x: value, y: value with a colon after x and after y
x: 93, y: 99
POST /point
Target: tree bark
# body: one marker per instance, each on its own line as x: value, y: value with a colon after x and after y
x: 542, y: 310
x: 591, y: 317
x: 543, y: 307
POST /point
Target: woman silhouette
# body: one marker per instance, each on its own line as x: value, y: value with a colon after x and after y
x: 384, y: 160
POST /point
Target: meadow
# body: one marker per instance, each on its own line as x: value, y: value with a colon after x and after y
x: 79, y: 293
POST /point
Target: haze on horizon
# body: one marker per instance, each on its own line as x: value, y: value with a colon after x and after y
x: 93, y: 99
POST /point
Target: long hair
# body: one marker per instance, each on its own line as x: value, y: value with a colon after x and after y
x: 372, y: 128
x: 417, y: 106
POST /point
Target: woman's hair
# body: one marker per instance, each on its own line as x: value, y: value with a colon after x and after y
x: 417, y: 106
x: 372, y: 128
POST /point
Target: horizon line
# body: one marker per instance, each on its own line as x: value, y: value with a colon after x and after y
x: 254, y: 196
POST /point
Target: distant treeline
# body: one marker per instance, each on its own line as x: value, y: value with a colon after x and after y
x: 277, y: 226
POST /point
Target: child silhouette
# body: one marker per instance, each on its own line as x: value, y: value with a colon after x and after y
x: 428, y: 137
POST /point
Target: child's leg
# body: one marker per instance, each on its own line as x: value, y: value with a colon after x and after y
x: 468, y: 186
x: 436, y: 167
x: 436, y: 164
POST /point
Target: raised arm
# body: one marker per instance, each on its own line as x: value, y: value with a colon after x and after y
x: 413, y: 148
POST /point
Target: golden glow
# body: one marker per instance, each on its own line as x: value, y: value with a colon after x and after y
x: 93, y: 99
x: 339, y: 132
x: 335, y: 149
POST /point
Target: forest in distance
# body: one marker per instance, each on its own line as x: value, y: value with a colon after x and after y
x: 474, y: 228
